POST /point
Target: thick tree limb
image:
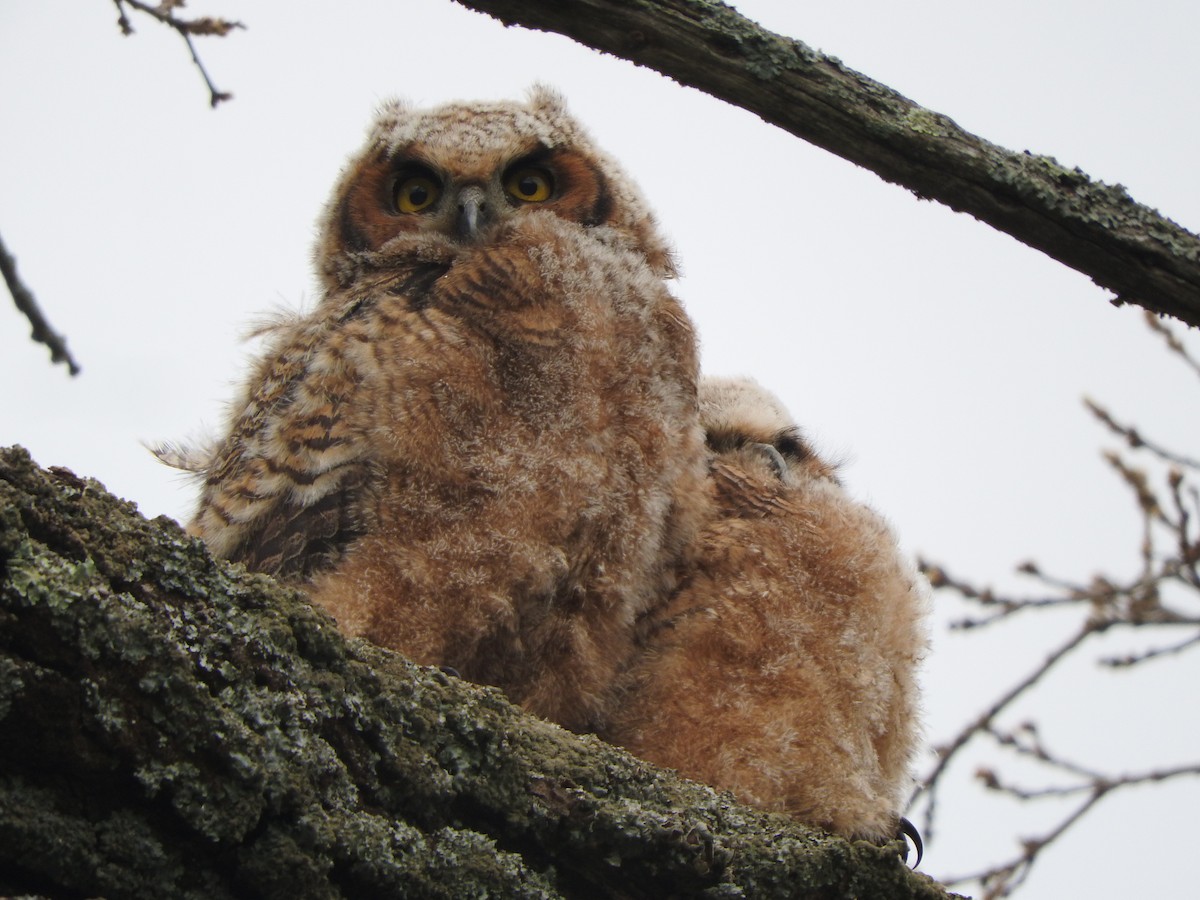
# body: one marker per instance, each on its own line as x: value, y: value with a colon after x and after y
x: 1097, y: 229
x: 174, y: 727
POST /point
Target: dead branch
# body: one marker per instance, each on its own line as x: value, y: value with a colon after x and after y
x: 28, y: 306
x: 1002, y: 879
x: 1134, y: 438
x: 1173, y: 343
x: 980, y: 725
x: 1169, y: 551
x: 203, y: 26
x: 173, y: 726
x: 1097, y: 229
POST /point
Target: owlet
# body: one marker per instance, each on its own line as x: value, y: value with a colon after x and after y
x: 784, y: 667
x: 482, y: 447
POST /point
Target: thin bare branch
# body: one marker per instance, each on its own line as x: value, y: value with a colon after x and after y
x: 1003, y: 879
x: 1134, y: 659
x: 1187, y: 546
x: 1102, y: 595
x: 1169, y: 555
x: 28, y: 305
x: 948, y: 751
x: 999, y: 607
x: 1173, y: 343
x: 1134, y: 438
x: 1026, y: 740
x: 203, y: 26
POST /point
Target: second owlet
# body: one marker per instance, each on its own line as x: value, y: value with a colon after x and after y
x: 784, y: 667
x: 481, y: 448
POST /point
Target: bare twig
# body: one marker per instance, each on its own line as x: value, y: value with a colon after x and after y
x: 1003, y: 879
x: 998, y: 607
x: 1134, y: 438
x: 1132, y: 659
x: 1187, y: 545
x: 1169, y: 555
x: 1100, y: 594
x: 1173, y: 343
x: 948, y: 751
x: 1026, y: 740
x: 27, y: 304
x: 164, y: 12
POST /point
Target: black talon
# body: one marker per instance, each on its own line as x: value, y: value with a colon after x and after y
x: 908, y: 830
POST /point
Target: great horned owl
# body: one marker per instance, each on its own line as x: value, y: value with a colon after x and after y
x: 783, y: 668
x: 482, y: 447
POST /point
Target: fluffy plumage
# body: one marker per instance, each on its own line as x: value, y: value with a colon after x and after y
x: 481, y: 448
x: 783, y: 669
x: 484, y: 448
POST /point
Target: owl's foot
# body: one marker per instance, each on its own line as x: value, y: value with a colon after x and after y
x: 778, y: 463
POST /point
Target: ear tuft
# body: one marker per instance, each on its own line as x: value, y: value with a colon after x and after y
x: 546, y: 100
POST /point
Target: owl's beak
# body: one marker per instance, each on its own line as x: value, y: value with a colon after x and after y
x: 472, y: 212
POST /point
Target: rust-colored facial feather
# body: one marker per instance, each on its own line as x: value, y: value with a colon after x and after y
x: 470, y: 154
x: 370, y: 214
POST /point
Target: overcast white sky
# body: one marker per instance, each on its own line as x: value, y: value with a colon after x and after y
x: 942, y: 361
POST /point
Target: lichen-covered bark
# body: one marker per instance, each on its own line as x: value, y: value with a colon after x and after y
x: 171, y: 726
x: 1095, y: 228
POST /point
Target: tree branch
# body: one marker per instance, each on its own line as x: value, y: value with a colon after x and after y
x: 164, y: 12
x: 28, y: 305
x: 171, y: 726
x: 1003, y: 879
x: 1139, y: 601
x: 1134, y: 438
x: 1131, y: 250
x: 983, y: 722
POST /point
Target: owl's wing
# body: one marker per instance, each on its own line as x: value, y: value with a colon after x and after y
x: 288, y: 516
x: 295, y: 540
x: 285, y: 491
x: 291, y: 485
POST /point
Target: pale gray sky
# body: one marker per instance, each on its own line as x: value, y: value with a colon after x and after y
x: 942, y: 361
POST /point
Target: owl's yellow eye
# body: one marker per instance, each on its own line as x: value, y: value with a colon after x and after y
x: 416, y: 193
x: 529, y: 185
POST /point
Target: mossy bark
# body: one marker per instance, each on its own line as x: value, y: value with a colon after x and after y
x: 1097, y: 229
x: 171, y: 726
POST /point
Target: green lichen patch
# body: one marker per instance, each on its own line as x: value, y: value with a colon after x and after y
x: 172, y: 726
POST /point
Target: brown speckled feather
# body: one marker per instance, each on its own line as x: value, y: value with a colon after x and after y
x: 783, y: 668
x: 482, y: 447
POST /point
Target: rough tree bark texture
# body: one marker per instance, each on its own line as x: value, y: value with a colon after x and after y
x: 1095, y: 228
x: 173, y: 727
